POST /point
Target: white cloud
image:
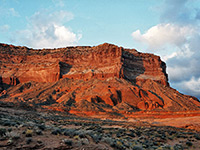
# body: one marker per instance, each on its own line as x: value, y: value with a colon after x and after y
x: 178, y: 73
x: 8, y: 12
x: 44, y: 17
x: 13, y: 12
x: 191, y: 86
x: 4, y: 28
x: 59, y: 3
x: 162, y: 35
x: 48, y: 30
x: 53, y: 36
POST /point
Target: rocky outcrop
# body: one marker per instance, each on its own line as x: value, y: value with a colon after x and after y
x: 21, y: 64
x: 104, y: 78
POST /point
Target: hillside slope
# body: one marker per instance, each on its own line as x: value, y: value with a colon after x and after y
x: 104, y: 78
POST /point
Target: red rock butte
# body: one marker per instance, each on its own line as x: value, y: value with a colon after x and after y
x: 104, y: 78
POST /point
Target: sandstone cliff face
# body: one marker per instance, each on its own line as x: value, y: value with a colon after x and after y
x: 20, y: 64
x: 104, y: 77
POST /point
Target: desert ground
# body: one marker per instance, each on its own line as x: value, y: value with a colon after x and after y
x: 27, y: 129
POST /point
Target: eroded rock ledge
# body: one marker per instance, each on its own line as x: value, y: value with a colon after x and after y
x: 102, y: 78
x: 21, y: 64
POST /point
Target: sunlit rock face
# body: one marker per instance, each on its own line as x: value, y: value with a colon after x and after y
x: 103, y: 78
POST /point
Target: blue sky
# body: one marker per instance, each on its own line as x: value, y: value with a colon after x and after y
x: 168, y: 28
x: 97, y: 21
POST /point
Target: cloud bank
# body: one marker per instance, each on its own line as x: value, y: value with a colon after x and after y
x: 162, y: 35
x: 176, y: 38
x: 48, y: 30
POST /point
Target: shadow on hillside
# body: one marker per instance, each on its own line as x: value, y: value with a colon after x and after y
x: 5, y: 86
x: 64, y: 68
x: 132, y: 66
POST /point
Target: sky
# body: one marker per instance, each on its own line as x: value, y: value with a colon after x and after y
x: 168, y: 28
